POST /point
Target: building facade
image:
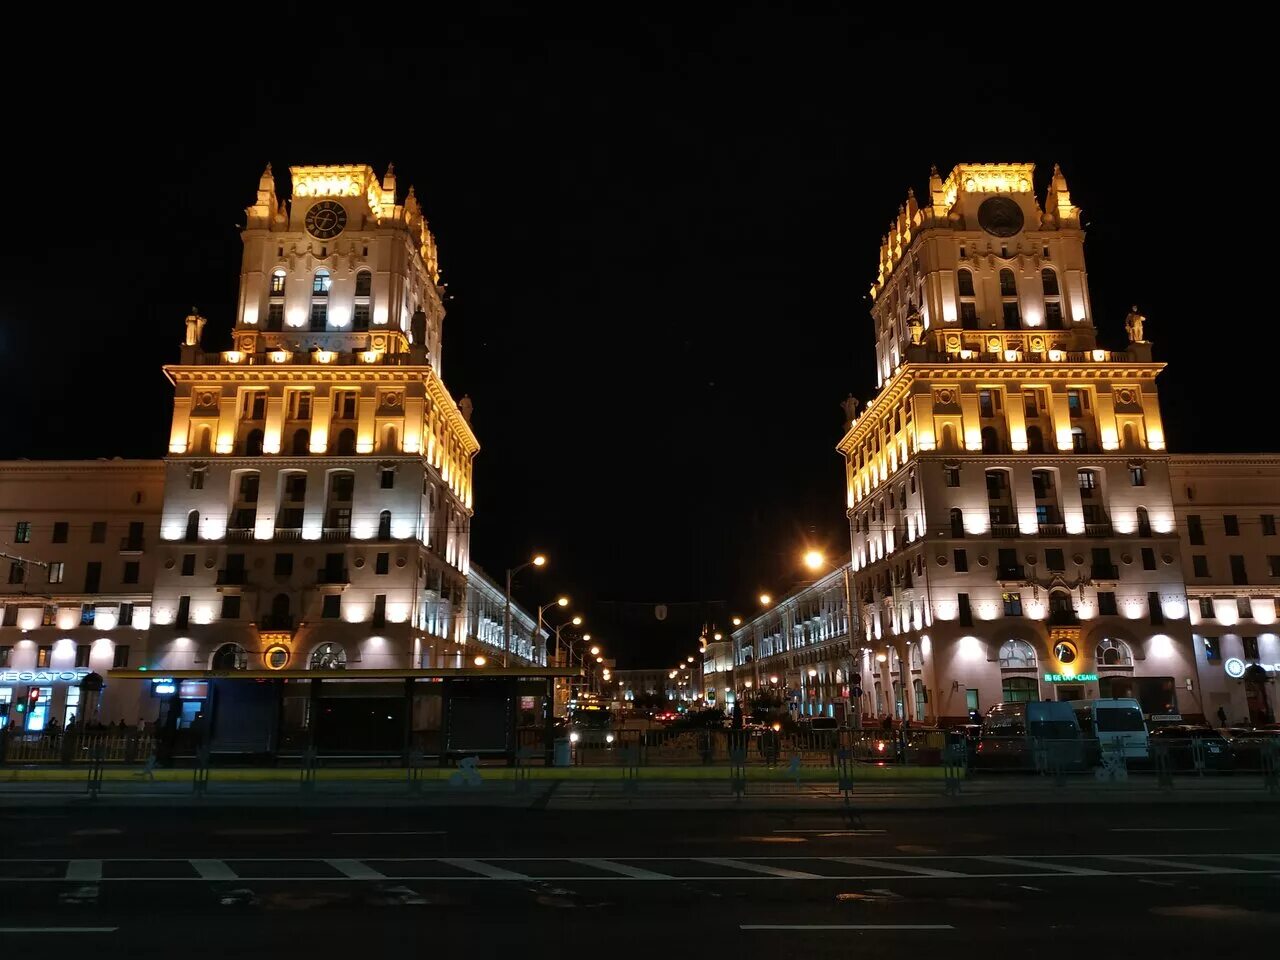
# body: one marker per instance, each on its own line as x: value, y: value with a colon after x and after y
x: 81, y: 544
x: 1226, y: 512
x: 318, y: 484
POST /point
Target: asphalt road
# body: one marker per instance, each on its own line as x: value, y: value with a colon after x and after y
x: 322, y: 882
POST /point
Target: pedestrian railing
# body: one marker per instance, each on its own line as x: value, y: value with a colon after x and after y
x: 76, y: 748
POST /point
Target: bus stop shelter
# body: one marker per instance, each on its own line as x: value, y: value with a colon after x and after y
x: 264, y: 715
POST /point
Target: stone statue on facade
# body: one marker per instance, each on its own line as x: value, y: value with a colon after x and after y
x: 915, y: 327
x: 195, y: 328
x: 465, y: 407
x: 1133, y: 325
x: 850, y: 406
x: 418, y: 328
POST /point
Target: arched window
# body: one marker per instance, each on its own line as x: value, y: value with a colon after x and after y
x: 1017, y: 655
x: 204, y: 439
x: 346, y: 442
x: 990, y: 440
x: 1035, y: 440
x: 964, y: 280
x: 328, y: 656
x: 948, y: 437
x: 321, y: 283
x: 897, y: 699
x: 917, y: 687
x: 1078, y: 442
x: 1008, y: 285
x: 277, y: 282
x: 193, y: 527
x: 390, y: 439
x: 1049, y: 282
x: 1019, y: 690
x: 384, y: 525
x: 1114, y: 653
x: 957, y: 522
x: 253, y: 443
x: 1060, y: 608
x: 1129, y: 438
x: 229, y: 656
x: 1144, y: 522
x: 301, y: 442
x: 364, y: 284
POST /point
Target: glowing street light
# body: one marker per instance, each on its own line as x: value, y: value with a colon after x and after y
x: 814, y: 560
x: 562, y: 601
x: 765, y: 599
x: 737, y: 621
x: 539, y: 560
x: 480, y: 661
x: 594, y: 650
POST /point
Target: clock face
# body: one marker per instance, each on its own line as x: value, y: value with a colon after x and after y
x: 326, y: 220
x: 1000, y: 216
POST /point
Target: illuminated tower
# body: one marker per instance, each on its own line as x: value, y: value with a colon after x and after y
x: 319, y: 477
x: 1008, y: 493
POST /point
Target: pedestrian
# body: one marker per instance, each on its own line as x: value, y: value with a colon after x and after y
x: 1222, y: 717
x: 52, y: 730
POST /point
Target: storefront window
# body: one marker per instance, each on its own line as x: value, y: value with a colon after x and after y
x: 1019, y: 690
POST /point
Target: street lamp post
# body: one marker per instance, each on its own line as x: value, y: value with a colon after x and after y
x: 537, y: 561
x: 815, y: 561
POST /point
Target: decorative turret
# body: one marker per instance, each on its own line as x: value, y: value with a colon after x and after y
x: 1057, y: 202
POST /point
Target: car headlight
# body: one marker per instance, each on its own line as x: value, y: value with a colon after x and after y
x: 573, y: 737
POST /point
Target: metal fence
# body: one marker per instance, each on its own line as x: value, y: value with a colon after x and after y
x: 77, y: 748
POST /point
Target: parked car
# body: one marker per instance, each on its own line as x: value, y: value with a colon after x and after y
x: 1248, y: 743
x: 1182, y: 743
x: 1029, y: 735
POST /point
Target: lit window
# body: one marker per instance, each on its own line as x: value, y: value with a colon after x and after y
x: 321, y: 284
x: 277, y: 282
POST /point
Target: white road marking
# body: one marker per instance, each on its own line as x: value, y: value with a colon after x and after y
x: 84, y: 870
x: 836, y: 833
x: 487, y: 870
x: 1170, y: 829
x: 845, y: 926
x: 760, y: 868
x: 1040, y: 865
x: 892, y: 865
x: 392, y: 833
x: 213, y: 870
x: 1174, y: 865
x: 356, y: 870
x: 635, y: 873
x: 43, y: 930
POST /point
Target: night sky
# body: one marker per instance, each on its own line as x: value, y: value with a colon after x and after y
x: 658, y: 237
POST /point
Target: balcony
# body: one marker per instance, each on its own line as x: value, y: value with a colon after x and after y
x: 1105, y: 571
x: 335, y: 533
x: 287, y: 533
x: 232, y: 578
x: 1052, y: 529
x: 1097, y: 530
x: 239, y: 534
x: 1004, y: 531
x: 1016, y: 572
x: 272, y: 622
x: 333, y: 576
x: 132, y: 544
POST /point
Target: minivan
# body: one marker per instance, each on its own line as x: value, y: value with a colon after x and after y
x: 1012, y: 731
x: 1116, y: 724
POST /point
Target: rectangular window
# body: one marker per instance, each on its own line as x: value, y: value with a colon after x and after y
x: 1055, y: 559
x: 1154, y: 609
x: 383, y: 564
x: 1044, y: 515
x: 1206, y: 608
x: 88, y: 614
x: 120, y: 656
x: 1075, y: 403
x: 183, y: 617
x: 968, y: 315
x: 1013, y: 604
x: 231, y: 606
x: 43, y: 654
x: 275, y: 316
x: 6, y: 656
x: 964, y: 612
x: 1250, y: 645
x: 130, y: 573
x: 1137, y: 477
x: 57, y: 570
x: 986, y: 405
x: 1238, y: 575
x: 380, y: 610
x: 98, y: 532
x: 388, y: 479
x: 249, y: 488
x: 1200, y: 565
x: 22, y: 532
x: 1212, y: 648
x: 17, y: 573
x: 82, y: 654
x: 125, y: 616
x: 319, y: 316
x: 1053, y: 315
x: 1012, y: 318
x: 1231, y: 525
x: 1088, y: 481
x: 60, y: 528
x: 50, y: 618
x: 332, y: 608
x: 295, y: 487
x: 953, y: 476
x: 1268, y: 524
x: 284, y: 564
x: 188, y: 564
x: 344, y: 404
x: 1106, y: 603
x: 1244, y: 608
x: 1273, y: 565
x: 1148, y: 558
x: 197, y: 479
x: 1029, y: 406
x: 93, y: 576
x: 360, y: 316
x: 1195, y: 532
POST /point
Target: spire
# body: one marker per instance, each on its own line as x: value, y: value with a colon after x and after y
x: 937, y: 199
x: 1057, y: 202
x: 389, y: 180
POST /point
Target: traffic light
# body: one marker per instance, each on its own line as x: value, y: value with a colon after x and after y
x: 33, y: 697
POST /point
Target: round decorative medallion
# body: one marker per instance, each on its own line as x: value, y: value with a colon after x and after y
x: 276, y: 656
x: 993, y: 344
x: 1078, y: 560
x: 983, y: 561
x: 206, y: 399
x: 1167, y: 558
x: 359, y: 562
x: 942, y: 560
x: 946, y: 397
x: 169, y: 564
x: 1125, y: 395
x: 953, y: 343
x: 1000, y: 216
x: 210, y: 563
x: 1037, y: 344
x: 400, y: 561
x: 391, y: 399
x: 1126, y: 558
x: 1031, y: 559
x: 326, y: 219
x: 1066, y: 651
x: 379, y: 343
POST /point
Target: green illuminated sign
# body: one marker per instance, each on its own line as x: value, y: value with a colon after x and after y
x: 1069, y: 678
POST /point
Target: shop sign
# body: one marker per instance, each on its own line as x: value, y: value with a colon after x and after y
x: 1236, y: 667
x: 44, y: 676
x: 1070, y: 677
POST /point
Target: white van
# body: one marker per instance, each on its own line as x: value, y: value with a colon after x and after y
x: 1117, y: 724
